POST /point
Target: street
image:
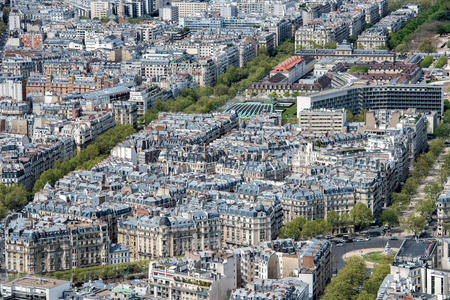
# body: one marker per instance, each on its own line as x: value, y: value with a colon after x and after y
x: 377, y: 242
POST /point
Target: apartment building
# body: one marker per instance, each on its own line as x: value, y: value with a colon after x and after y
x: 443, y: 211
x: 32, y: 40
x: 13, y: 87
x: 169, y: 13
x: 190, y: 8
x: 118, y: 254
x: 53, y: 244
x: 308, y: 261
x: 290, y: 288
x: 61, y: 85
x: 298, y: 202
x: 247, y: 52
x: 155, y: 237
x: 416, y: 272
x: 23, y: 163
x: 148, y: 32
x: 87, y: 128
x: 143, y: 97
x: 314, y: 10
x: 371, y: 11
x: 101, y: 9
x: 322, y: 121
x: 15, y: 20
x: 245, y: 226
x: 321, y: 34
x: 373, y: 38
x: 205, y: 277
x: 125, y: 113
x: 203, y: 72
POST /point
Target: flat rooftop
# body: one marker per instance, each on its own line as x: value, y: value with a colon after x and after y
x: 412, y: 248
x: 36, y: 282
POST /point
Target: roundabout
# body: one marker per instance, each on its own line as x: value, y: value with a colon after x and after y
x: 371, y: 256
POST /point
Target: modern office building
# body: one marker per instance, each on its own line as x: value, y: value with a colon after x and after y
x: 423, y: 98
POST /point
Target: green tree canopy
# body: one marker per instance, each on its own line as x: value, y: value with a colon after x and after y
x: 414, y: 224
x: 441, y: 62
x: 293, y: 229
x: 315, y: 227
x: 402, y: 48
x: 426, y: 62
x: 389, y: 217
x: 348, y: 280
x: 432, y: 190
x: 361, y: 215
x: 425, y: 207
x: 426, y: 46
x: 333, y: 219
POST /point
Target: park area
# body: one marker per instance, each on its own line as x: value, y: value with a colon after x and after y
x: 372, y: 256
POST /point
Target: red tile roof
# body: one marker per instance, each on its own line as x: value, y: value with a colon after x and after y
x: 288, y: 64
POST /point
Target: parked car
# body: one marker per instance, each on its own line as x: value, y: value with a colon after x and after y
x: 393, y: 238
x: 357, y: 240
x: 340, y: 245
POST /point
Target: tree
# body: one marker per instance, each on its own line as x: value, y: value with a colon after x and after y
x: 402, y: 48
x: 3, y: 211
x: 348, y: 280
x: 348, y: 115
x: 333, y: 219
x: 16, y: 197
x: 426, y: 46
x: 273, y: 95
x: 426, y: 62
x: 5, y: 14
x: 361, y: 215
x: 358, y: 69
x: 315, y: 227
x: 432, y: 190
x: 400, y: 198
x: 345, y: 220
x: 293, y: 229
x: 437, y: 145
x: 425, y: 207
x: 442, y: 130
x: 389, y: 217
x: 441, y: 62
x: 415, y: 224
x: 332, y: 45
x: 410, y: 185
x: 370, y: 287
x: 310, y: 229
x: 446, y: 103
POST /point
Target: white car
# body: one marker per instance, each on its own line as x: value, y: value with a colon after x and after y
x: 340, y: 245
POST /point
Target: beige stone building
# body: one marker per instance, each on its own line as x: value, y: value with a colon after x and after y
x: 148, y: 238
x: 245, y: 226
x: 53, y: 244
